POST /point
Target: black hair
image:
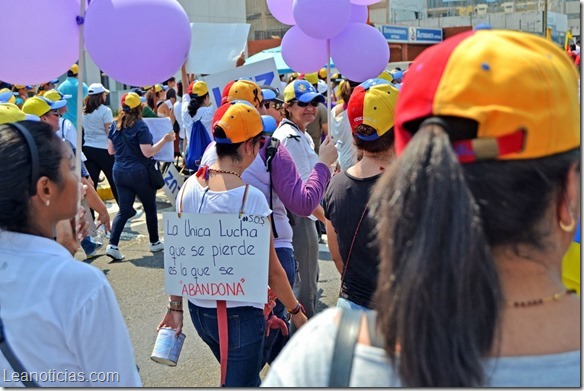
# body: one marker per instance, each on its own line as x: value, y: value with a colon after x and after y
x: 230, y: 150
x: 439, y: 296
x: 71, y: 74
x: 381, y: 144
x: 150, y: 99
x: 195, y: 103
x: 15, y: 169
x: 170, y: 93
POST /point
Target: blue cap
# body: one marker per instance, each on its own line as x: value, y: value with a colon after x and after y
x: 302, y: 91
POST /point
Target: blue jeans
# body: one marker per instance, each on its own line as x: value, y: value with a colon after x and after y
x: 276, y: 341
x: 131, y: 184
x: 344, y: 303
x: 246, y: 329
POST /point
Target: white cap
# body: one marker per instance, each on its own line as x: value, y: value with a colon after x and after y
x: 97, y: 88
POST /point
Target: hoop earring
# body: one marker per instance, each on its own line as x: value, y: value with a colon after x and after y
x: 570, y: 227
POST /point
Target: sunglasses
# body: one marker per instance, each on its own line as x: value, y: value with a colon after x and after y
x: 277, y: 105
x: 313, y: 103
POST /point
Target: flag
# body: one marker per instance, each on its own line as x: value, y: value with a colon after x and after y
x: 569, y: 40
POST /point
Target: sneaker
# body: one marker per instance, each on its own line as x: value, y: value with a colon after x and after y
x: 113, y: 252
x: 158, y: 246
x: 93, y: 253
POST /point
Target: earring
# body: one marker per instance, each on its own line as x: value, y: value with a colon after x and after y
x: 48, y: 203
x: 570, y: 227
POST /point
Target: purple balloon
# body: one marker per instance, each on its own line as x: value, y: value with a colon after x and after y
x: 364, y: 2
x: 321, y: 19
x: 359, y: 13
x: 302, y: 53
x: 282, y: 11
x: 137, y: 42
x: 35, y: 54
x: 360, y: 52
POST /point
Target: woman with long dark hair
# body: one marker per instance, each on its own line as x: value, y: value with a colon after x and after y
x: 131, y: 143
x: 474, y: 218
x: 59, y: 316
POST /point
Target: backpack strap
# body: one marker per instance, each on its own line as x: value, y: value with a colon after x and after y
x: 374, y: 336
x: 270, y: 153
x: 12, y: 359
x: 344, y: 350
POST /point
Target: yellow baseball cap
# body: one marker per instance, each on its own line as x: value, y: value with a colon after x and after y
x: 240, y: 122
x: 132, y: 100
x: 7, y: 96
x: 198, y: 88
x: 243, y: 89
x: 10, y: 113
x: 74, y: 69
x: 55, y: 96
x: 39, y: 105
x: 521, y: 89
x: 312, y: 78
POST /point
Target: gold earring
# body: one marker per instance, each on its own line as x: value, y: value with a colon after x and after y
x: 570, y: 227
x: 48, y: 203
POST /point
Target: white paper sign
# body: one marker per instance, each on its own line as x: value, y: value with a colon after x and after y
x: 159, y: 127
x: 215, y: 46
x: 262, y: 72
x: 173, y: 181
x: 216, y: 256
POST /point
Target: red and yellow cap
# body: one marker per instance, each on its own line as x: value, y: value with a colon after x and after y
x: 372, y: 103
x: 242, y: 89
x: 521, y: 90
x: 198, y: 88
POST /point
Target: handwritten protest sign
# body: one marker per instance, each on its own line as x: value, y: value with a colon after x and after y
x: 216, y: 256
x: 261, y: 72
x: 159, y: 127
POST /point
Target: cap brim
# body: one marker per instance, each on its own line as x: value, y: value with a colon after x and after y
x: 310, y: 96
x: 67, y: 96
x: 54, y: 81
x: 58, y: 104
x: 269, y: 124
x: 5, y: 96
x: 31, y: 117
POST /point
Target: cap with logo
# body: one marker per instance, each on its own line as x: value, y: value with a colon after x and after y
x: 132, y: 100
x: 198, y: 88
x: 96, y: 88
x: 303, y: 91
x: 39, y: 105
x: 240, y: 121
x: 372, y: 103
x: 520, y: 89
x: 242, y: 89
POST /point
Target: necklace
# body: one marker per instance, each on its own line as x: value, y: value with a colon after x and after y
x: 225, y: 172
x: 530, y: 303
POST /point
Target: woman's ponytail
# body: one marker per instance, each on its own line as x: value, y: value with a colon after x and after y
x: 438, y: 294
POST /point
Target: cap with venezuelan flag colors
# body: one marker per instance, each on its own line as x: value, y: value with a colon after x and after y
x: 372, y: 103
x: 520, y: 89
x: 240, y: 121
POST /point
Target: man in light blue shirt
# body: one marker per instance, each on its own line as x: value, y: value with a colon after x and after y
x: 69, y: 87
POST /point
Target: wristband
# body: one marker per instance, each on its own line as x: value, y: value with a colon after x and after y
x: 299, y: 307
x: 169, y: 310
x: 175, y: 305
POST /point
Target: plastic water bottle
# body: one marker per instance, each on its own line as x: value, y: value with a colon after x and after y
x: 99, y: 234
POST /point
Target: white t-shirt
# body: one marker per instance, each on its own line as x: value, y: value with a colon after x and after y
x: 60, y: 317
x: 198, y: 199
x: 94, y: 127
x: 178, y: 116
x: 341, y: 131
x: 306, y: 362
x: 204, y: 114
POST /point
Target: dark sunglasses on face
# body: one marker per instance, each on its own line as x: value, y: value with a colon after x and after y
x: 313, y: 103
x: 277, y: 105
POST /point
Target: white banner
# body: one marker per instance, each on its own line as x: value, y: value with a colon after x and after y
x: 215, y: 46
x: 173, y: 181
x: 262, y: 72
x: 216, y: 256
x: 159, y: 127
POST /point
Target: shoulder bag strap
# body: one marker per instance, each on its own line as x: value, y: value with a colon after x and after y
x: 351, y: 248
x: 374, y: 336
x: 344, y: 350
x: 12, y: 359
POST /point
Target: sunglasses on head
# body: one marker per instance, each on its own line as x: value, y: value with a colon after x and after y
x: 313, y: 103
